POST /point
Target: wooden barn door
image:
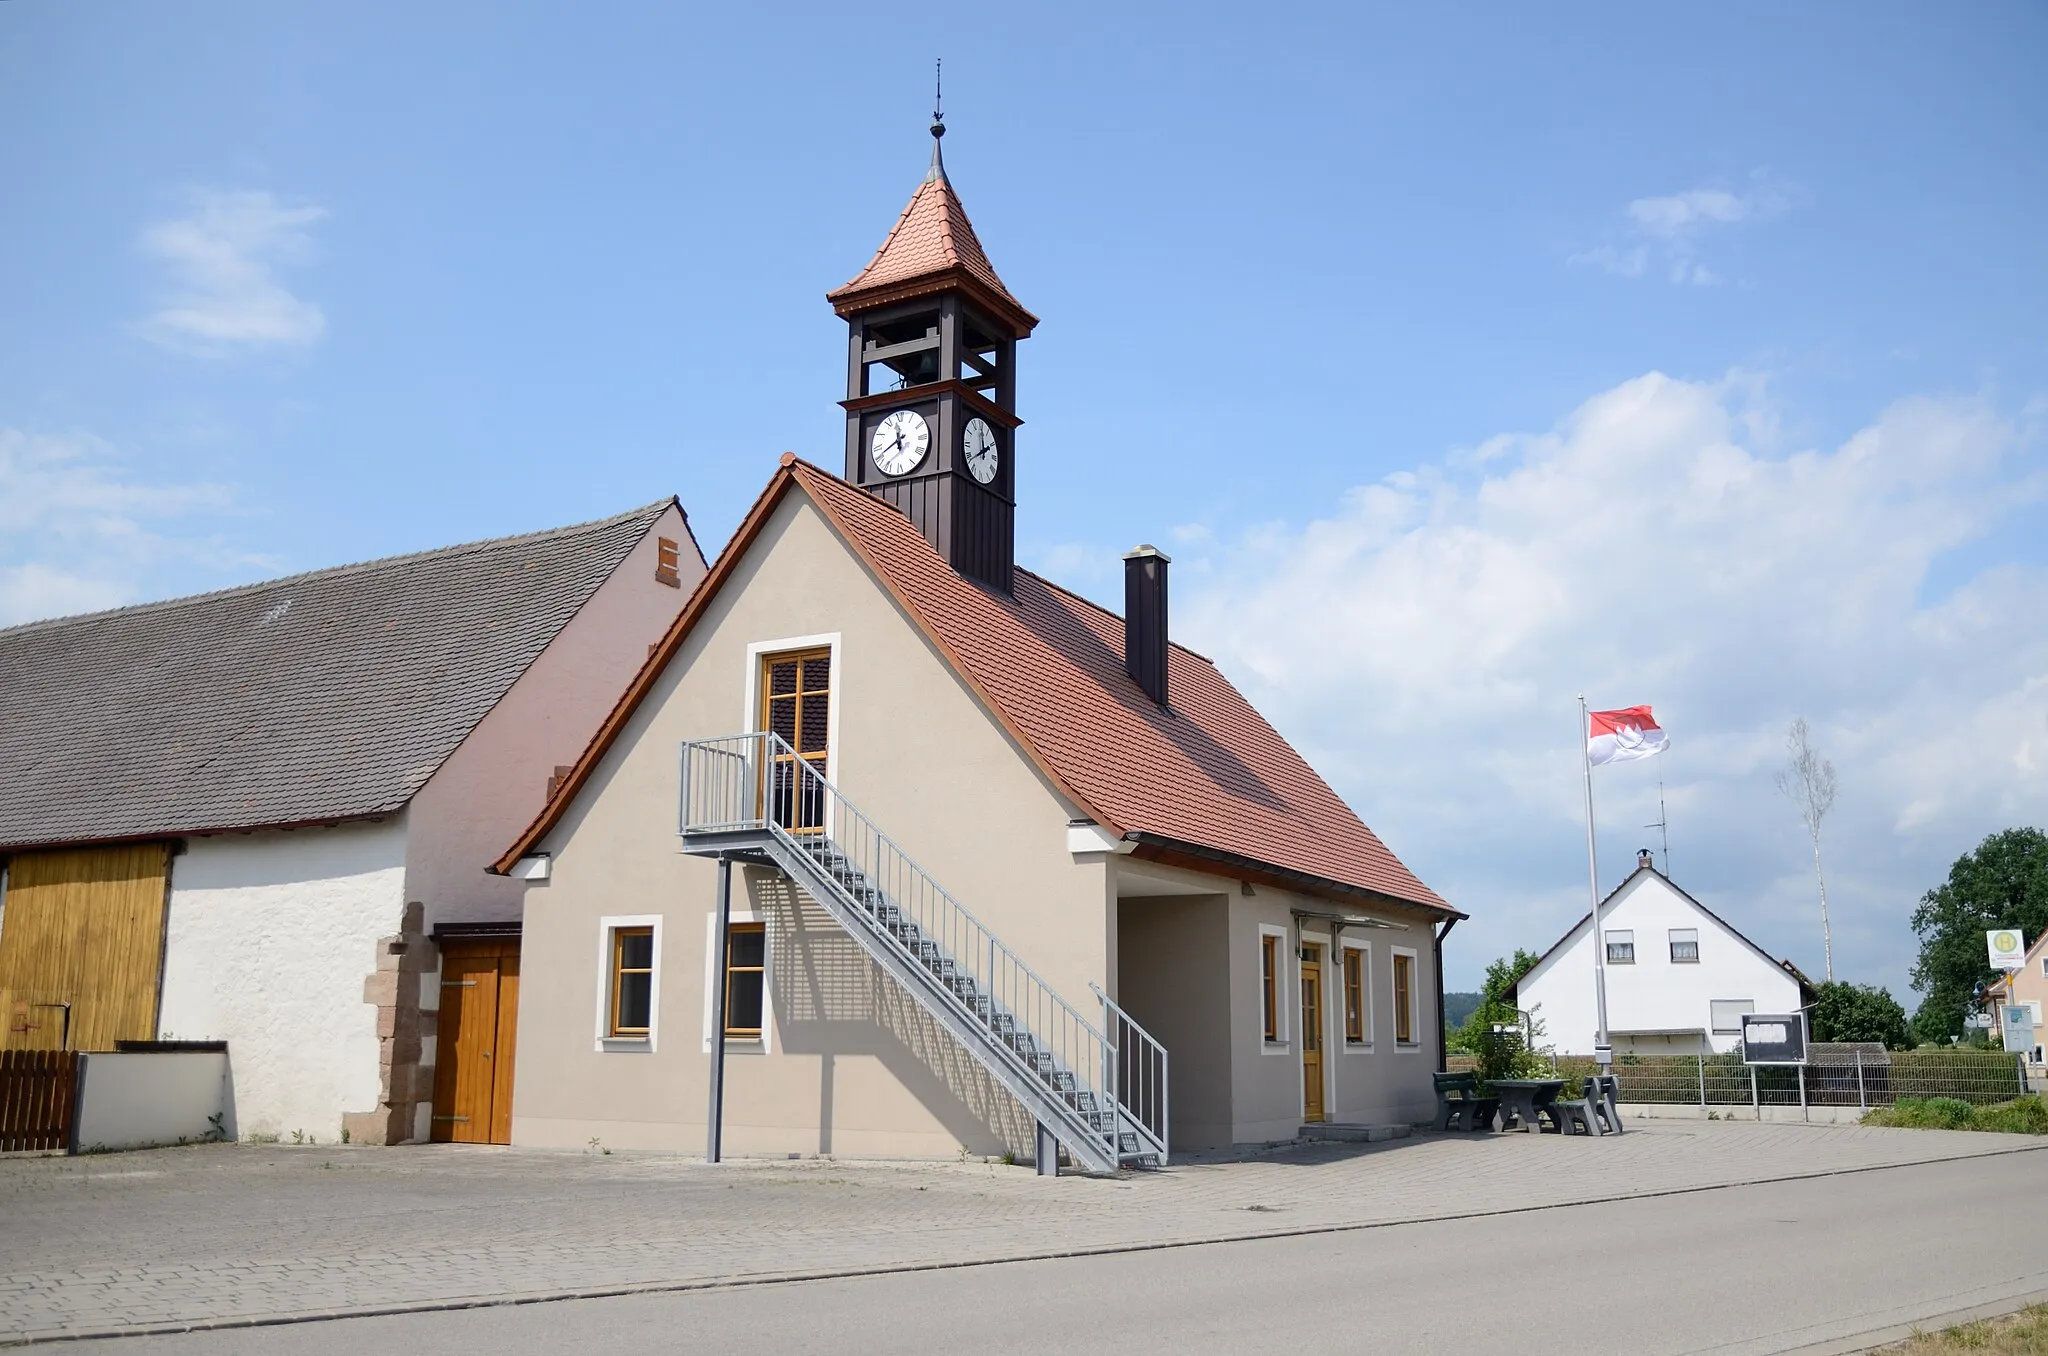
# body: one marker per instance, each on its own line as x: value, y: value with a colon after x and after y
x: 82, y: 947
x: 476, y: 1042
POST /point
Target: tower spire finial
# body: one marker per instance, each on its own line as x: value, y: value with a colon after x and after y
x: 938, y: 169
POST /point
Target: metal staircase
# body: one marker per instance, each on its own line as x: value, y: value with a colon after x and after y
x: 1098, y: 1088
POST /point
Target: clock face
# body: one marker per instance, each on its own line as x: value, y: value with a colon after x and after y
x: 900, y: 441
x: 980, y: 445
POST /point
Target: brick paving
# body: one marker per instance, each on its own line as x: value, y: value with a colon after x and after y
x: 235, y: 1234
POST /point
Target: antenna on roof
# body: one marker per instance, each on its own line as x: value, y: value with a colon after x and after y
x: 1663, y: 825
x: 938, y: 169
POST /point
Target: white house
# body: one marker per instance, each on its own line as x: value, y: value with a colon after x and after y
x: 263, y: 815
x: 1678, y: 977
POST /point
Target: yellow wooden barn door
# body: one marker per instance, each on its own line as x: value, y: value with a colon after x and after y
x: 82, y: 947
x: 477, y: 1037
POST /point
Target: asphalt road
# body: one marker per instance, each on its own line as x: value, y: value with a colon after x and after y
x: 1806, y: 1265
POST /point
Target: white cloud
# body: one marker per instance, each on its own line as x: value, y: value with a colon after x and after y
x: 78, y: 527
x: 1667, y: 230
x: 222, y: 259
x: 1424, y: 645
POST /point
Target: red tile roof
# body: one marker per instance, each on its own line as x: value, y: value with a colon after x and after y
x: 933, y: 238
x: 1210, y: 773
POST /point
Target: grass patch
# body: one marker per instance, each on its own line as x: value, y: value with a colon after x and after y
x: 2022, y: 1334
x: 2026, y: 1116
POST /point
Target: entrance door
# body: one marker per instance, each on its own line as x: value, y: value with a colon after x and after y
x: 1311, y: 1031
x: 796, y: 704
x: 473, y: 1055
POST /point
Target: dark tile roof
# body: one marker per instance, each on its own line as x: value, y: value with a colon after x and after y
x: 322, y: 696
x: 1211, y: 774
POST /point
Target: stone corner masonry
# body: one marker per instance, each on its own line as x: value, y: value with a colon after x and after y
x: 404, y: 1082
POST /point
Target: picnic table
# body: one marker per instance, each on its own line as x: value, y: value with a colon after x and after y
x: 1526, y: 1100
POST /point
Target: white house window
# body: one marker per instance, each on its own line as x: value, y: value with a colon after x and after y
x: 629, y: 982
x: 1685, y: 946
x: 1621, y: 948
x: 1728, y: 1014
x: 1407, y: 1026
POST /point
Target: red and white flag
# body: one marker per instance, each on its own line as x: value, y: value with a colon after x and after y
x: 1623, y: 736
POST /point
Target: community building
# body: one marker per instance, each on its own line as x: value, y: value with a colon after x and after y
x: 1679, y: 979
x: 1000, y: 869
x: 262, y: 816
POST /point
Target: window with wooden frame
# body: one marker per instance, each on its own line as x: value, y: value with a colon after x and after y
x: 1404, y: 999
x: 746, y: 979
x: 1269, y: 978
x: 796, y: 707
x: 632, y: 1004
x: 1356, y: 996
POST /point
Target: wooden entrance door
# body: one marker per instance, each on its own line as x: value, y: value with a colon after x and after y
x: 796, y: 704
x: 1311, y: 1031
x: 477, y: 1033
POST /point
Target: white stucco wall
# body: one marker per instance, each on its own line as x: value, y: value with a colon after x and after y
x: 269, y: 940
x: 1654, y: 993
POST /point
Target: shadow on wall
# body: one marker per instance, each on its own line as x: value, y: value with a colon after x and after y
x: 830, y: 1000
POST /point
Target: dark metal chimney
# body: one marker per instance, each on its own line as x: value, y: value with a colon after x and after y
x: 1145, y: 620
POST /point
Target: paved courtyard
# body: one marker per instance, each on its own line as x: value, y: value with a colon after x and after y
x: 230, y: 1235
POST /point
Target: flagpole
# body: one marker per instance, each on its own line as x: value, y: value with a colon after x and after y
x: 1603, y: 1049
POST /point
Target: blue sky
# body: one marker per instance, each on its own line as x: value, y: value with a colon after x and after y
x: 1461, y: 360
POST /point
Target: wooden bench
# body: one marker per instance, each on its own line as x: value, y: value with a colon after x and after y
x: 1458, y: 1099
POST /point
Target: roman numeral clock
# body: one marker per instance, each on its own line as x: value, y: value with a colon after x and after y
x: 930, y: 382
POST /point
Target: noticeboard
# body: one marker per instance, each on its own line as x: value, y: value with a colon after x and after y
x: 1769, y: 1038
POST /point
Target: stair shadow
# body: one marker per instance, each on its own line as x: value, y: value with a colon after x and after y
x: 832, y: 1000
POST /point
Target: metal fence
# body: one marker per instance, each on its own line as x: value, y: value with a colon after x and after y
x: 1838, y: 1076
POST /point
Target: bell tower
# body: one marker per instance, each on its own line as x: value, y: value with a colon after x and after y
x: 931, y: 388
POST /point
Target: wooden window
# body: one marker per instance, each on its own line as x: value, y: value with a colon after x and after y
x: 1354, y: 995
x: 632, y: 982
x: 1404, y: 999
x: 746, y: 979
x: 1685, y: 946
x: 665, y: 556
x: 1269, y: 970
x: 1621, y: 948
x: 796, y: 707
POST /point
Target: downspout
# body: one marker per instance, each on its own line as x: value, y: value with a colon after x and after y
x: 1443, y: 1036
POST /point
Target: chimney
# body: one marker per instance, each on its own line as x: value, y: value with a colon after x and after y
x: 1145, y: 620
x: 1643, y: 859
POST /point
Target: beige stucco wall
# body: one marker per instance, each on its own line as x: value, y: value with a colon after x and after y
x: 850, y: 1065
x: 496, y: 782
x: 1216, y: 927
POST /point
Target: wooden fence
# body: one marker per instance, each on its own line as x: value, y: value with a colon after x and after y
x: 38, y: 1089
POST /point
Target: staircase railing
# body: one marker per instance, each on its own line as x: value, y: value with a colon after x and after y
x: 753, y: 784
x: 1140, y: 1074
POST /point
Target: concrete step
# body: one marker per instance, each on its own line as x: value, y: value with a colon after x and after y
x: 1355, y: 1134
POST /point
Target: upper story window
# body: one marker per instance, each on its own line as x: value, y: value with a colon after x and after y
x: 1685, y: 946
x: 796, y: 706
x: 1726, y: 1014
x: 1621, y: 948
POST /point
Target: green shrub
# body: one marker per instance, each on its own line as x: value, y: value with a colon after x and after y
x: 2025, y: 1116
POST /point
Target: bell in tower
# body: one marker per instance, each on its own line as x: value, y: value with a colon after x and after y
x: 931, y: 390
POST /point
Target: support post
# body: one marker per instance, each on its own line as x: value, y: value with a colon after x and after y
x: 1862, y: 1099
x: 1802, y: 1092
x: 714, y: 1129
x: 1755, y: 1103
x: 1701, y: 1060
x: 1603, y: 1048
x: 1048, y: 1151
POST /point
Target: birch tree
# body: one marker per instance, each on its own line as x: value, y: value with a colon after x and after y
x: 1808, y: 780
